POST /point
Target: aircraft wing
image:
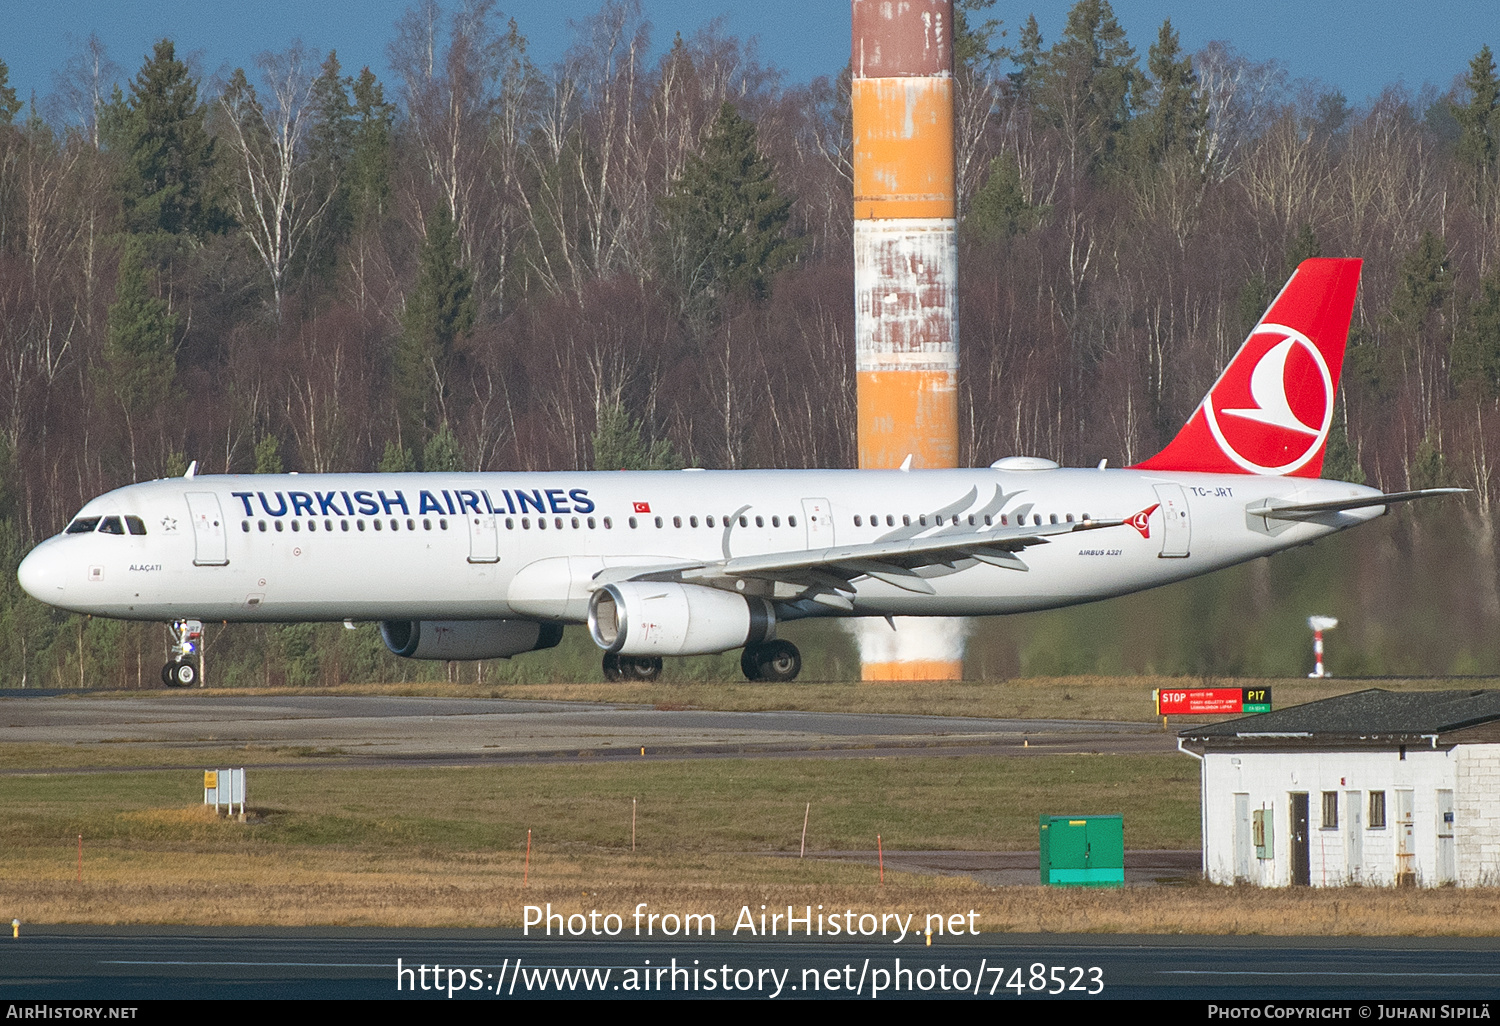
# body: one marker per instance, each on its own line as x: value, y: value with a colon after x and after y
x: 824, y: 575
x: 1271, y: 509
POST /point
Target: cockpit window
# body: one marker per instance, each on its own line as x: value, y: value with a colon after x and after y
x: 83, y: 525
x: 136, y: 525
x: 111, y: 525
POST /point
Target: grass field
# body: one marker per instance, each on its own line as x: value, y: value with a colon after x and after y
x: 447, y: 846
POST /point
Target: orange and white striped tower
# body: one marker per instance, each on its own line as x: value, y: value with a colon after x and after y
x: 905, y: 278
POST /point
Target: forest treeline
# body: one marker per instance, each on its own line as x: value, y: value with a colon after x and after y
x: 642, y: 256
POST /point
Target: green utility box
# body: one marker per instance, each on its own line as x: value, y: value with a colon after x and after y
x: 1083, y: 851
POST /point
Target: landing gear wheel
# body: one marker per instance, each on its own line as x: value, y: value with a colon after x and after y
x: 772, y: 661
x: 184, y: 673
x: 166, y: 675
x: 612, y: 668
x: 641, y: 668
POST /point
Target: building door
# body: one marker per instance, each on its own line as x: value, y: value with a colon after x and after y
x: 1406, y: 838
x: 1301, y: 866
x: 1241, y: 838
x: 1177, y: 528
x: 1447, y: 854
x: 212, y: 544
x: 1354, y: 837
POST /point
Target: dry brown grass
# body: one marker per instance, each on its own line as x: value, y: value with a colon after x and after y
x: 339, y: 889
x: 1082, y: 697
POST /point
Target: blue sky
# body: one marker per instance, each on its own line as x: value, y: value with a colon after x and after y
x: 1358, y: 48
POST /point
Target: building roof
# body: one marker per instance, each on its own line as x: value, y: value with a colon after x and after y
x: 1373, y: 716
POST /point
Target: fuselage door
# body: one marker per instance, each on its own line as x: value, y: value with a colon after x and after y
x: 819, y: 516
x: 1177, y: 528
x: 209, y: 537
x: 484, y: 538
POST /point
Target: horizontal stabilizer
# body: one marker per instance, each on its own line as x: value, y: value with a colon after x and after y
x: 1309, y: 510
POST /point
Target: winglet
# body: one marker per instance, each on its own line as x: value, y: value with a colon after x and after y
x: 192, y: 470
x: 906, y: 463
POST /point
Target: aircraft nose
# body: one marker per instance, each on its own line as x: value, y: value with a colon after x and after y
x: 40, y: 575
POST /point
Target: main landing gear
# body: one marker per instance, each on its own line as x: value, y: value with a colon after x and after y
x: 644, y: 669
x: 771, y: 661
x: 182, y: 670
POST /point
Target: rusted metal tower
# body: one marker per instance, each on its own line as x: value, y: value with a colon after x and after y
x: 905, y: 277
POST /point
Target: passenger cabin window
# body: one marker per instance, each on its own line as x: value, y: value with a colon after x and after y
x: 83, y: 525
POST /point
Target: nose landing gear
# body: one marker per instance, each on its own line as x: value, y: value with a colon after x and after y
x: 182, y: 670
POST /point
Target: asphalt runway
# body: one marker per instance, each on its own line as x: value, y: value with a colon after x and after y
x: 145, y: 964
x: 384, y: 729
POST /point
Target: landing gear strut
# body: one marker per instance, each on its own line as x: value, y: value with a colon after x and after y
x: 632, y: 668
x: 771, y: 661
x: 182, y: 671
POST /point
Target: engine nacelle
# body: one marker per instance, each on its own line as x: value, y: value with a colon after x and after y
x: 467, y: 639
x: 643, y: 618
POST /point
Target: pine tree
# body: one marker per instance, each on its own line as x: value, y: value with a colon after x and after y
x: 726, y: 220
x: 268, y: 455
x: 370, y: 150
x: 167, y: 180
x: 1027, y: 57
x: 442, y: 454
x: 1170, y: 125
x: 1474, y: 355
x: 331, y: 143
x: 10, y: 106
x: 1479, y: 119
x: 440, y: 310
x: 140, y: 361
x: 1086, y: 84
x: 618, y: 445
x: 999, y: 209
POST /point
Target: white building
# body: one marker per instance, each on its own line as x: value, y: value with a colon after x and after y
x: 1376, y: 788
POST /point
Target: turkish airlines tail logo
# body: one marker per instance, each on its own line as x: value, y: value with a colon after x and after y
x: 1271, y: 410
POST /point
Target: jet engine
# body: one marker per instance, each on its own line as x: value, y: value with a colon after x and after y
x: 645, y: 618
x: 467, y: 639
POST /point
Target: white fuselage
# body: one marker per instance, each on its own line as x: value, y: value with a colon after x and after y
x: 367, y: 547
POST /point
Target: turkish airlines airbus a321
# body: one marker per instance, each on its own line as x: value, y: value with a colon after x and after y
x: 483, y: 566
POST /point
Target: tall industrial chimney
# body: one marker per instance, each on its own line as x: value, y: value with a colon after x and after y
x: 905, y: 277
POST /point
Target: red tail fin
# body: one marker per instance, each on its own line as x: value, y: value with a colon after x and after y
x: 1270, y: 411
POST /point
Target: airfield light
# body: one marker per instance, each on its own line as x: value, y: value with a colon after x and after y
x: 1319, y: 624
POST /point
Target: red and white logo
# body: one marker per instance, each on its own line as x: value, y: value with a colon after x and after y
x: 1142, y: 520
x: 642, y: 507
x: 1271, y: 411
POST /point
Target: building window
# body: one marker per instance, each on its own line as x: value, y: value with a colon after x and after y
x: 1330, y: 810
x: 1377, y: 810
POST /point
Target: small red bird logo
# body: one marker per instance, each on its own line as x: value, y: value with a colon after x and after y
x: 1142, y: 520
